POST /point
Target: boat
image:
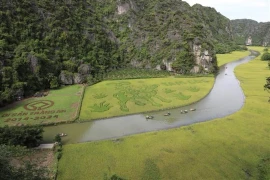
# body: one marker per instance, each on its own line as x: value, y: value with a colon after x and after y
x: 62, y: 134
x: 167, y: 114
x: 149, y: 117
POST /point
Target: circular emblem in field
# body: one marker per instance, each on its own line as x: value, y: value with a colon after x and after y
x: 38, y: 105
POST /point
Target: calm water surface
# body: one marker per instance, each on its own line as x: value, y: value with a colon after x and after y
x: 225, y: 98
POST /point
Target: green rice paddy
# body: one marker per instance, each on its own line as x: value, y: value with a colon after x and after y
x: 235, y: 55
x: 121, y: 97
x: 234, y: 147
x: 58, y: 106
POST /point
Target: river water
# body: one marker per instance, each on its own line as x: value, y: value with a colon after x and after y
x: 225, y: 98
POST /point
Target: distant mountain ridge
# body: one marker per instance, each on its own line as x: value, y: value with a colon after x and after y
x: 244, y: 28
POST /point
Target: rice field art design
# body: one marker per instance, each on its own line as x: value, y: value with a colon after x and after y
x: 99, y: 96
x: 112, y: 98
x: 181, y: 96
x: 101, y: 107
x: 193, y: 89
x: 140, y: 96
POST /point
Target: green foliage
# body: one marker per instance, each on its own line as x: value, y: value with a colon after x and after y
x: 58, y: 138
x: 184, y: 62
x: 28, y: 170
x: 132, y: 73
x: 228, y: 48
x: 24, y: 136
x: 265, y: 56
x: 264, y: 169
x: 41, y: 38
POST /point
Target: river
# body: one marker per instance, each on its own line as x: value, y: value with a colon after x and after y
x: 225, y: 98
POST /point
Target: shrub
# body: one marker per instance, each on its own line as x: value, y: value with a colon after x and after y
x: 265, y: 56
x: 23, y: 136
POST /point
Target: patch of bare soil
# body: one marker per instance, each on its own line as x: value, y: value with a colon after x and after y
x: 74, y: 105
x: 39, y: 157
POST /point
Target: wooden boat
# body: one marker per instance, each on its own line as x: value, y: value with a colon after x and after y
x: 167, y: 114
x: 149, y: 117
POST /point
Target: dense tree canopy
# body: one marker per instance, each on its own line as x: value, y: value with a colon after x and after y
x: 44, y: 43
x: 25, y: 136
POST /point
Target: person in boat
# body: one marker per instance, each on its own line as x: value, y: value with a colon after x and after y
x: 167, y: 114
x: 149, y: 117
x: 62, y: 134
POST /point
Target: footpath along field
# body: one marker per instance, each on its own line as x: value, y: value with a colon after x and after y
x: 60, y: 105
x: 234, y: 147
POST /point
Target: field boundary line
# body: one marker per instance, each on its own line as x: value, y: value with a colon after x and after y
x: 80, y: 105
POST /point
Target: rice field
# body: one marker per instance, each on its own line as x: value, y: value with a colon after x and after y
x: 58, y: 106
x: 121, y: 97
x: 234, y: 147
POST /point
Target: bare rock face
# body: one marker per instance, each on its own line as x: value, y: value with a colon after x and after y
x: 66, y: 78
x: 123, y: 8
x: 167, y: 64
x: 84, y: 69
x: 249, y: 41
x: 33, y: 62
x: 203, y: 59
x: 78, y: 78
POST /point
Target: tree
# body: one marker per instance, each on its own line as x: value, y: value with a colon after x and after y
x: 25, y: 136
x: 54, y: 84
x: 267, y: 86
x: 265, y: 56
x: 28, y: 170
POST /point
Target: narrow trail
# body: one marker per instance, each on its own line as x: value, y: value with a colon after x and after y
x: 225, y: 98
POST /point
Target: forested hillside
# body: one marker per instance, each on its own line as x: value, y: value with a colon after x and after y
x: 44, y: 44
x: 245, y: 28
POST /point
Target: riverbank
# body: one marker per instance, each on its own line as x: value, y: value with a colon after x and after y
x: 226, y: 58
x: 227, y: 148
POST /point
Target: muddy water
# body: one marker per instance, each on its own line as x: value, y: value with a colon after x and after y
x: 225, y: 98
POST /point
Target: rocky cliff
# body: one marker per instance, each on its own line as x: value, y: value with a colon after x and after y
x: 45, y: 43
x: 250, y: 32
x: 168, y: 34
